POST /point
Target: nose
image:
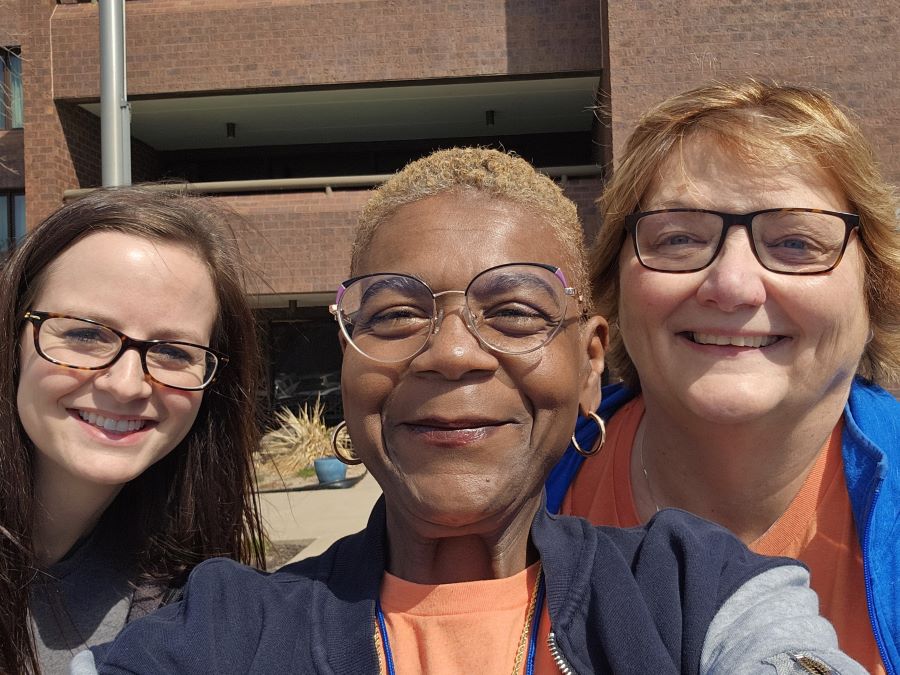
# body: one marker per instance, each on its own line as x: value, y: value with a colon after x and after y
x: 125, y: 379
x: 454, y: 351
x: 735, y: 279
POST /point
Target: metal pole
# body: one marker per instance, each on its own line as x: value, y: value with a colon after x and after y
x: 115, y: 123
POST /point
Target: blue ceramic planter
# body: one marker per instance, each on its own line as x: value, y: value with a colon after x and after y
x: 329, y: 469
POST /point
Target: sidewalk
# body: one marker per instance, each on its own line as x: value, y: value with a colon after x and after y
x: 323, y: 516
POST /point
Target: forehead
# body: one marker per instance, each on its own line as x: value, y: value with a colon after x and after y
x: 705, y: 173
x: 449, y: 238
x: 135, y: 283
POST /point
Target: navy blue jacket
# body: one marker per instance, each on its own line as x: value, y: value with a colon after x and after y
x: 638, y: 600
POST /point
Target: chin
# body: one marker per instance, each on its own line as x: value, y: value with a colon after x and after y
x: 111, y: 475
x: 732, y: 402
x: 453, y: 506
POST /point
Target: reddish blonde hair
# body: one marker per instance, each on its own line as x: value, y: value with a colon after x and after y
x: 769, y: 125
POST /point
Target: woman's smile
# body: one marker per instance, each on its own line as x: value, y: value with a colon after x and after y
x: 453, y: 433
x: 112, y: 427
x: 751, y: 341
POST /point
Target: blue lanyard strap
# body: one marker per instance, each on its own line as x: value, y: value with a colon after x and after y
x: 532, y: 640
x: 535, y: 625
x: 385, y: 643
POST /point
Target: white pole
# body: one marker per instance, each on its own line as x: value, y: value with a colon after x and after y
x: 115, y: 120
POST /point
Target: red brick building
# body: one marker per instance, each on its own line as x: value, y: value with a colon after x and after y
x: 320, y: 97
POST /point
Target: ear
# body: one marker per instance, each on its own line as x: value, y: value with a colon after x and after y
x: 343, y: 341
x: 596, y: 340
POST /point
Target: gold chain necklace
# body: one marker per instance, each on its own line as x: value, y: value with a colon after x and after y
x: 523, y: 639
x: 529, y: 616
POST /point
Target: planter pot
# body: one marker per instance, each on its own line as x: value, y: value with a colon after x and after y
x: 330, y: 469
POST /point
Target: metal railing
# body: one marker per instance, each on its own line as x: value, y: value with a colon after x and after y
x: 327, y: 183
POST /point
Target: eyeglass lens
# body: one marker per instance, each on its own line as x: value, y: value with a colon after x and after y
x: 512, y: 309
x: 81, y: 344
x: 797, y: 242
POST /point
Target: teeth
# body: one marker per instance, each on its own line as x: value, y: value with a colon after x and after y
x: 735, y: 340
x: 110, y: 424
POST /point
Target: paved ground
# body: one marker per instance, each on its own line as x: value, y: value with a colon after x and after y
x: 322, y: 516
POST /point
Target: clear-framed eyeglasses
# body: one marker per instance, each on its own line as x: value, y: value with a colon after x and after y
x: 514, y: 308
x: 84, y: 344
x: 786, y: 241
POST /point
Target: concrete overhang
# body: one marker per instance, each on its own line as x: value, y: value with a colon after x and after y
x: 366, y: 114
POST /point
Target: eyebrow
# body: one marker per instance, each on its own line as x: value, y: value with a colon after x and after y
x: 504, y: 281
x: 390, y: 282
x: 167, y: 335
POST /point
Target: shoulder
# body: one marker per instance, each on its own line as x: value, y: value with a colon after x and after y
x: 871, y: 451
x: 704, y: 554
x: 666, y: 581
x: 873, y: 415
x: 226, y: 614
x: 675, y: 549
x: 235, y: 619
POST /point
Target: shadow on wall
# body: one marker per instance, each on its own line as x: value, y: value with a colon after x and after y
x: 553, y: 37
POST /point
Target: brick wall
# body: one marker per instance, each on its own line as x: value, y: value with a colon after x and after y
x: 181, y: 46
x: 300, y: 242
x: 658, y: 48
x: 584, y: 192
x: 184, y: 46
x: 49, y: 168
x: 12, y: 24
x: 297, y: 242
x: 82, y: 131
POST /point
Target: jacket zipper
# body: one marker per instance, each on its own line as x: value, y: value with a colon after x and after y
x: 867, y: 577
x: 558, y: 658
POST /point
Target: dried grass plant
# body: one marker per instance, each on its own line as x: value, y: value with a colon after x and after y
x: 292, y: 445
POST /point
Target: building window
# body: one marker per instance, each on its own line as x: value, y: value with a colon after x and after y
x: 10, y: 88
x: 12, y: 218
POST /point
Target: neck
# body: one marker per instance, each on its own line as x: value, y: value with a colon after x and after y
x: 65, y: 511
x: 420, y: 555
x: 743, y: 476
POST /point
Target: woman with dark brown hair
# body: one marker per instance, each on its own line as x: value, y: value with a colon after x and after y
x: 127, y: 388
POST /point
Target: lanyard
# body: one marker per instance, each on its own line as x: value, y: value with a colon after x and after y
x: 532, y: 640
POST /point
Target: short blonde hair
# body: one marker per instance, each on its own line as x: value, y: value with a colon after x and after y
x: 496, y: 174
x: 772, y: 125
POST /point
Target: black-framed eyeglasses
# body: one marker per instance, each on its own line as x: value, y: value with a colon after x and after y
x: 785, y: 240
x: 85, y: 344
x: 514, y: 308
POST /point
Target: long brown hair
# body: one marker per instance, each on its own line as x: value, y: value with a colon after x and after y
x: 198, y: 501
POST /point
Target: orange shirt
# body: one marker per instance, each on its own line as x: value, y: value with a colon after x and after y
x: 817, y: 527
x: 470, y: 627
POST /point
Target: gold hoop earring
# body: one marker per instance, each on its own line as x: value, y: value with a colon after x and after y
x: 595, y: 448
x: 335, y: 448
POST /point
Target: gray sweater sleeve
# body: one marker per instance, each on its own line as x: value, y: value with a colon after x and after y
x: 83, y: 664
x: 771, y: 626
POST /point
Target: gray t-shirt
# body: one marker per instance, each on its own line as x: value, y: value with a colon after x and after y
x: 81, y: 601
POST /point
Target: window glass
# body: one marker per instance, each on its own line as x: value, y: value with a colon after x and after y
x: 4, y: 93
x: 18, y: 216
x: 12, y: 218
x: 15, y: 90
x: 11, y: 103
x: 4, y: 221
